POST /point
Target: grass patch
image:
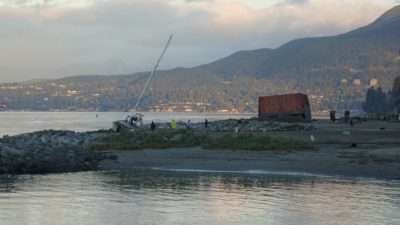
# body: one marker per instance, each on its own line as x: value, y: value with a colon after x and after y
x: 178, y: 138
x: 168, y: 138
x: 255, y: 142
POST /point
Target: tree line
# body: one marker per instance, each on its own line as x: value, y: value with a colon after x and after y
x: 378, y: 101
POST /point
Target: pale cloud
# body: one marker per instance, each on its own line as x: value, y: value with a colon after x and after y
x: 296, y: 2
x: 50, y: 39
x: 47, y: 2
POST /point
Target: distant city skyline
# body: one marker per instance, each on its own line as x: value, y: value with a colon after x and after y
x: 49, y: 39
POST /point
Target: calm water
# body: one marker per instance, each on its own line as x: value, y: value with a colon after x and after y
x: 157, y: 197
x: 12, y: 123
x: 167, y: 197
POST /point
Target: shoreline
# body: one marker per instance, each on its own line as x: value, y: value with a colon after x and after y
x: 368, y: 149
x: 325, y: 162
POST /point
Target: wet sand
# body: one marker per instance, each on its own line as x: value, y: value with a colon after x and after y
x: 376, y: 154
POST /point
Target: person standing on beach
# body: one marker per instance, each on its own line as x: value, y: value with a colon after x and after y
x: 332, y: 115
x: 188, y: 125
x: 346, y: 115
x: 153, y: 125
x: 173, y: 124
x: 205, y: 123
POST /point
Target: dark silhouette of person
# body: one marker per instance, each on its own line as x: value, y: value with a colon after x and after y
x: 152, y: 125
x: 332, y: 115
x: 346, y: 116
x: 205, y: 123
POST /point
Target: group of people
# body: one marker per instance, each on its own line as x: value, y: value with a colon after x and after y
x: 134, y: 120
x: 173, y: 124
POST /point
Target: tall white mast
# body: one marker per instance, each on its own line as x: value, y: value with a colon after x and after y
x: 152, y: 73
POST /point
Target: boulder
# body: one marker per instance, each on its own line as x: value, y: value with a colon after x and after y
x: 50, y: 151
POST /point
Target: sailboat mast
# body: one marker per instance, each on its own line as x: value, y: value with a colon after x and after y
x: 152, y: 73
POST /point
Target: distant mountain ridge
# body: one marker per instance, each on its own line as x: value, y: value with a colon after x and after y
x: 377, y: 44
x: 389, y: 16
x: 336, y: 71
x: 374, y: 45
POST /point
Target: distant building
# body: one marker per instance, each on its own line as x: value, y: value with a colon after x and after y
x: 373, y: 83
x: 282, y: 106
x: 3, y: 105
x: 223, y: 111
x: 357, y: 82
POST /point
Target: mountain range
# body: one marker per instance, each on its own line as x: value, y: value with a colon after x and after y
x: 335, y: 71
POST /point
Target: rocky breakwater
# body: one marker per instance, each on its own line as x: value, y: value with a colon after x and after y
x: 50, y: 151
x: 241, y: 125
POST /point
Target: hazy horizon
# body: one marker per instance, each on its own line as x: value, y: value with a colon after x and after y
x: 48, y: 39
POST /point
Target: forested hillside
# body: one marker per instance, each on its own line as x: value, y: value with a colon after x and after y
x: 334, y: 71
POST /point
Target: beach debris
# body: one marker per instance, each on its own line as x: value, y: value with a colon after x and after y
x: 177, y: 138
x: 309, y: 128
x: 346, y: 132
x: 312, y: 138
x: 288, y: 106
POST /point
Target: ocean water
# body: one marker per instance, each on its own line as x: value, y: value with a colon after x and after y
x: 182, y: 197
x: 164, y: 197
x: 12, y: 123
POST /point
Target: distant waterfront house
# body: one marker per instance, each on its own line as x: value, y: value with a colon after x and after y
x: 284, y: 106
x: 223, y: 111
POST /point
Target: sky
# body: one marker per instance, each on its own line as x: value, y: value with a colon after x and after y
x: 49, y: 39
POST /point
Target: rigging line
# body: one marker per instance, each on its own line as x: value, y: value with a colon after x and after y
x: 152, y: 73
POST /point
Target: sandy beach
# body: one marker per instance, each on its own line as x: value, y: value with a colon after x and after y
x: 368, y: 149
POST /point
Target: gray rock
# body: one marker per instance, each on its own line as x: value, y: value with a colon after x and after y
x: 176, y: 138
x: 49, y: 151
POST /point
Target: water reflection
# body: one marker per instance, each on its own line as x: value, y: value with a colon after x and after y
x: 180, y: 180
x: 160, y: 197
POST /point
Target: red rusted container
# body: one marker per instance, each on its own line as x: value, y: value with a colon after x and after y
x: 290, y: 105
